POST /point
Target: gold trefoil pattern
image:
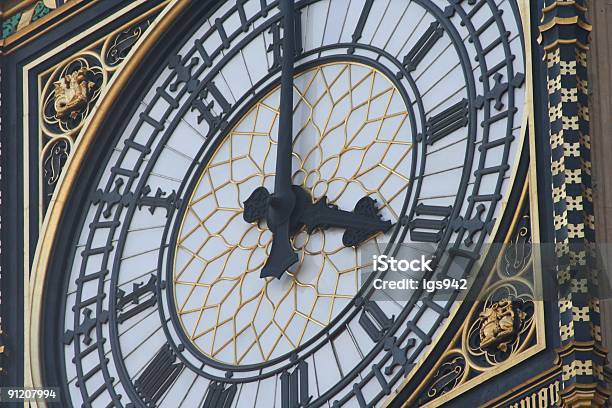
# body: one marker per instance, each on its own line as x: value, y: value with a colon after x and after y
x: 351, y: 139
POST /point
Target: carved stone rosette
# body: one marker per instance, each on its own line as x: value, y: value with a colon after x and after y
x: 564, y: 36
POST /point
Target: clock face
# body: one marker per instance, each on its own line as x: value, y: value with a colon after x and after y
x: 352, y: 139
x: 406, y: 118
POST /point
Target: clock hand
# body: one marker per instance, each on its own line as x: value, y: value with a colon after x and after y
x: 284, y: 149
x: 360, y: 225
x: 282, y: 255
x: 259, y: 206
x: 282, y: 202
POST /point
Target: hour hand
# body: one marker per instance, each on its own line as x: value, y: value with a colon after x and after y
x: 257, y: 208
x: 360, y: 225
x: 282, y: 255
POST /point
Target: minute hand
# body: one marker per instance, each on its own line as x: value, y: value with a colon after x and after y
x: 284, y: 149
x: 282, y: 203
x: 360, y: 225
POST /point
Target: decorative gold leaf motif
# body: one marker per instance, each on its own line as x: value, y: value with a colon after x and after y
x: 72, y: 93
x: 498, y: 324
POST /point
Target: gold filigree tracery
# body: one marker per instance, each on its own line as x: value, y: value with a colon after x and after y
x: 352, y: 139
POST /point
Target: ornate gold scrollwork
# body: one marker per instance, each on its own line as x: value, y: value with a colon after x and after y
x: 117, y: 46
x: 54, y: 158
x: 449, y: 374
x: 71, y: 91
x: 502, y: 325
x: 500, y: 328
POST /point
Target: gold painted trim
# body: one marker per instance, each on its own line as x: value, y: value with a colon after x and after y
x: 524, y: 388
x: 532, y: 177
x: 67, y: 9
x: 555, y: 44
x: 16, y: 8
x: 566, y: 21
x: 56, y: 207
x: 573, y: 346
x: 564, y: 3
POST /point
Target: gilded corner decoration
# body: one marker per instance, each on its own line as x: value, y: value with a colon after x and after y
x: 564, y: 37
x: 69, y: 92
x: 72, y: 93
x: 501, y: 329
x: 499, y: 324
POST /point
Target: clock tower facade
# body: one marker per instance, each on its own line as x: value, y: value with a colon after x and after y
x: 192, y: 191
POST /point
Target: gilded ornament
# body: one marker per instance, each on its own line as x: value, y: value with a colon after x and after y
x: 499, y: 324
x: 72, y: 93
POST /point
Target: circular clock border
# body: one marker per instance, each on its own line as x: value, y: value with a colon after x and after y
x: 195, y: 174
x: 400, y: 229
